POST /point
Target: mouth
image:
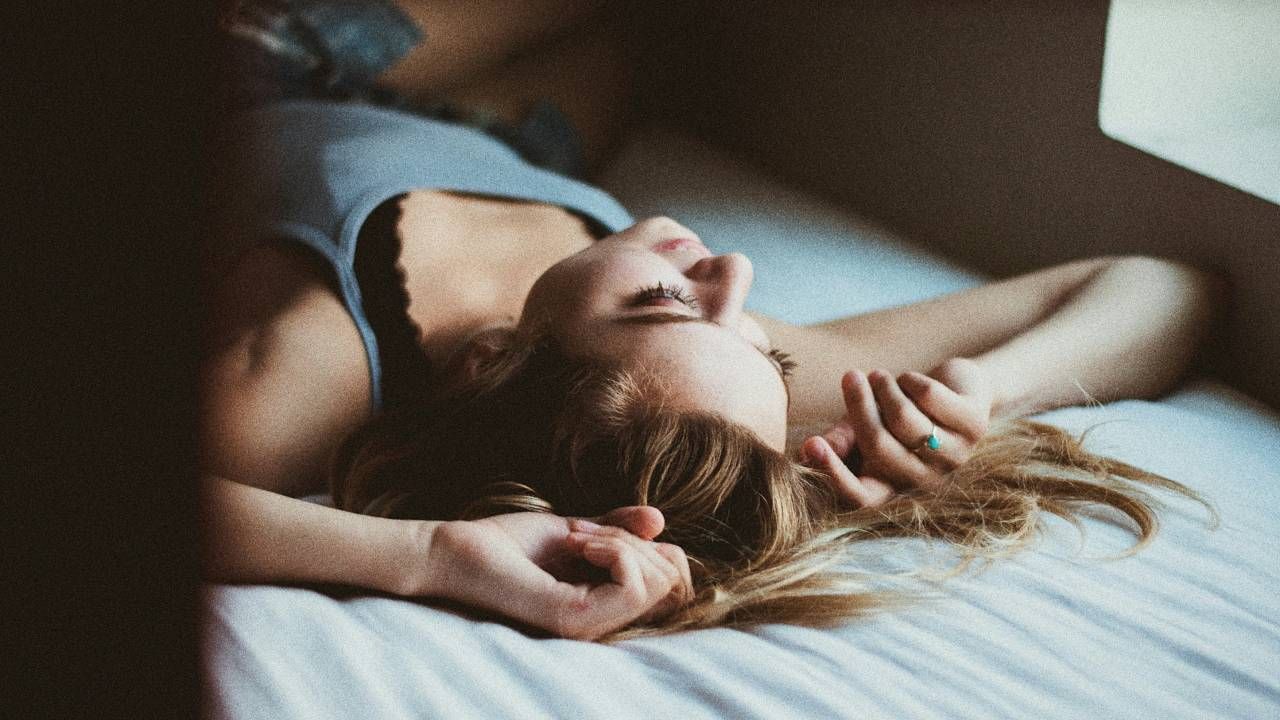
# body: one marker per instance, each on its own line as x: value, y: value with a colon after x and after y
x: 686, y: 244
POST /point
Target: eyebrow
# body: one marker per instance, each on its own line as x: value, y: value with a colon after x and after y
x: 669, y: 318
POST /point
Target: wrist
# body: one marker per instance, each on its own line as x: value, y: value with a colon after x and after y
x: 1007, y: 398
x: 410, y: 566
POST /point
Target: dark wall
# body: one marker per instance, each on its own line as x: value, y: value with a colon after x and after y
x: 970, y: 127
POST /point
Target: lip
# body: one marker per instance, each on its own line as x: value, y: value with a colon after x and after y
x: 684, y: 243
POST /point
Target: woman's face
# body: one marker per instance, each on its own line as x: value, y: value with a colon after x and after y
x: 653, y: 298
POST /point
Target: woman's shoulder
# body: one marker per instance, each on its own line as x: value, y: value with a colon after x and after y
x: 284, y: 375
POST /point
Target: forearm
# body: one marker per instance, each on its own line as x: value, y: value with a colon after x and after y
x: 254, y: 535
x: 919, y: 336
x: 1119, y: 327
x: 1128, y: 331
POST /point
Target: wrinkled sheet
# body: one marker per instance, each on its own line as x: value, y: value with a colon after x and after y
x: 1188, y: 628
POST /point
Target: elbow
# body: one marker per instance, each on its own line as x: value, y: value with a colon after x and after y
x: 1211, y: 292
x: 1202, y: 293
x: 1193, y: 301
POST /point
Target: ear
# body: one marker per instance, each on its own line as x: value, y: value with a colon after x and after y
x: 481, y: 350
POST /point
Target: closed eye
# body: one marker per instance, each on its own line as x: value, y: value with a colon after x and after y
x: 645, y: 295
x: 783, y: 360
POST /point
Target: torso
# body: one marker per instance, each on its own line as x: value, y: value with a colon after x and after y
x: 286, y: 367
x: 292, y: 353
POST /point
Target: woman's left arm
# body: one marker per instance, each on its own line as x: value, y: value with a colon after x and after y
x: 1103, y: 328
x: 1130, y: 331
x: 1097, y: 329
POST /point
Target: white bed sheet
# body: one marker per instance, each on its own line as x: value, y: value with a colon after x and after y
x: 1189, y: 628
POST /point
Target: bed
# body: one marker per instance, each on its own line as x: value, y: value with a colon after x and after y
x: 1188, y: 628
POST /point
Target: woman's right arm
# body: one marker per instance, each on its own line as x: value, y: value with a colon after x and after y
x: 284, y: 379
x: 282, y: 383
x: 253, y: 535
x: 527, y: 567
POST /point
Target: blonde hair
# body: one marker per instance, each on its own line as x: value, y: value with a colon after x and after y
x: 767, y: 540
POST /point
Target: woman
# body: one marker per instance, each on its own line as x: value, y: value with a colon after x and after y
x: 470, y: 335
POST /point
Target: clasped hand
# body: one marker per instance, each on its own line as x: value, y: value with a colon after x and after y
x: 881, y: 445
x: 537, y: 568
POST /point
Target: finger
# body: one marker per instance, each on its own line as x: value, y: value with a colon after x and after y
x: 842, y: 480
x: 638, y: 584
x: 877, y: 491
x: 841, y: 438
x: 945, y: 405
x: 536, y: 597
x: 587, y: 610
x: 643, y: 521
x: 663, y: 566
x: 879, y: 448
x: 630, y: 594
x: 583, y: 525
x: 911, y: 426
x: 898, y: 413
x: 674, y: 554
x: 665, y: 586
x: 618, y: 533
x: 619, y: 558
x: 680, y: 591
x: 571, y: 567
x: 656, y: 572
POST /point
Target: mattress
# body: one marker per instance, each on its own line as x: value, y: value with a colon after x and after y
x: 1187, y: 628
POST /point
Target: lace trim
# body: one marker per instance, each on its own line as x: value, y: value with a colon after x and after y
x: 406, y: 371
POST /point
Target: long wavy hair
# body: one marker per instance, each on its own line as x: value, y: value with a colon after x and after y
x: 767, y: 540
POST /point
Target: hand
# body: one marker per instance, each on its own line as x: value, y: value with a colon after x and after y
x: 888, y: 422
x: 536, y: 568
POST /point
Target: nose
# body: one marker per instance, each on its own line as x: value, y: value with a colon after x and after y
x: 722, y: 283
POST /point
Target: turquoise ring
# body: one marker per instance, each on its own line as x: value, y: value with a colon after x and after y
x: 931, y: 441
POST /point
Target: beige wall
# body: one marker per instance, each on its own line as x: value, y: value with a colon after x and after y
x: 971, y: 127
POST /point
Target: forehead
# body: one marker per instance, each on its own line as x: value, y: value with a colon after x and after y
x: 698, y: 366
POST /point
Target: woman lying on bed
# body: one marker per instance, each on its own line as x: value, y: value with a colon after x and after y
x: 530, y: 405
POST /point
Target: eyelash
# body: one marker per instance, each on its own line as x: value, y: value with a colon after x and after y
x: 784, y: 361
x: 669, y: 292
x: 673, y: 292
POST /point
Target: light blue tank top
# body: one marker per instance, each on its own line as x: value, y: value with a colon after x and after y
x: 312, y: 172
